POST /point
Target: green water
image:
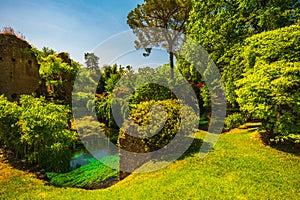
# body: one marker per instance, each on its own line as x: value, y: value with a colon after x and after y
x: 81, y: 158
x: 89, y: 176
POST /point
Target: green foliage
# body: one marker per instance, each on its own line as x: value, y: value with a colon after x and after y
x: 84, y: 91
x: 188, y: 71
x: 234, y: 120
x: 146, y: 90
x: 291, y: 138
x: 104, y: 112
x: 205, y: 96
x: 91, y: 61
x: 148, y: 116
x: 85, y: 80
x: 89, y: 176
x: 89, y: 128
x: 38, y: 131
x: 263, y: 77
x: 57, y: 74
x: 151, y: 84
x: 169, y: 15
x: 103, y: 109
x: 111, y: 82
x: 46, y: 51
x: 110, y: 75
x: 45, y: 133
x: 82, y: 98
x: 224, y: 28
x: 151, y: 92
x: 51, y: 69
x: 9, y: 131
x: 219, y: 25
x: 83, y: 94
x: 271, y: 46
x: 271, y: 92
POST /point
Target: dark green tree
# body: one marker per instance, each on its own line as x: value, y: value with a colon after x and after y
x: 171, y: 16
x: 91, y: 61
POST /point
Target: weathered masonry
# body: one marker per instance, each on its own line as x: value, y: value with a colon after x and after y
x: 19, y: 70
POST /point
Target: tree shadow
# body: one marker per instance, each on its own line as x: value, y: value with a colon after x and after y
x: 7, y: 156
x: 288, y: 147
x: 193, y: 149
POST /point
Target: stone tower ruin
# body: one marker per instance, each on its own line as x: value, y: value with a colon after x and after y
x: 19, y: 69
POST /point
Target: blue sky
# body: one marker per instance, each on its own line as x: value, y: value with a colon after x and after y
x: 74, y: 26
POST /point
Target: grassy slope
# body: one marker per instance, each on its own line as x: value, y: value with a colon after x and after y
x: 240, y: 167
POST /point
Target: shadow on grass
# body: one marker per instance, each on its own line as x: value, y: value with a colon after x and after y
x: 288, y: 147
x: 6, y: 156
x: 193, y: 149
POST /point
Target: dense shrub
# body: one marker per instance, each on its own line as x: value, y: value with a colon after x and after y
x: 9, y: 131
x: 277, y: 45
x: 271, y: 92
x: 152, y: 84
x: 151, y: 92
x: 234, y: 120
x: 147, y: 118
x: 39, y: 130
x: 262, y: 79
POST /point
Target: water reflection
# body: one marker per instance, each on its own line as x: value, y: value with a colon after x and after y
x: 83, y: 157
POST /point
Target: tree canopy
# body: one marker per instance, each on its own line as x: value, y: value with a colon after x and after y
x: 169, y: 17
x: 219, y: 25
x: 277, y: 45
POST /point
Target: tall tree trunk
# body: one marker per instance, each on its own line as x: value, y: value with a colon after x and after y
x: 171, y: 54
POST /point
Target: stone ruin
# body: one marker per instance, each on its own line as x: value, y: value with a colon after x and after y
x: 19, y: 69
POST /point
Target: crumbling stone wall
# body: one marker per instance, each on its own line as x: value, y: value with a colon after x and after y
x: 18, y: 66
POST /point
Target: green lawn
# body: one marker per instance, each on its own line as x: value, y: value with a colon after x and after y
x: 240, y: 167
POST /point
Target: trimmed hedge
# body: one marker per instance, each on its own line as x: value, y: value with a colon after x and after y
x: 148, y: 121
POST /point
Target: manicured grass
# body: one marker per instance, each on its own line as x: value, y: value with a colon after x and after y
x: 240, y: 167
